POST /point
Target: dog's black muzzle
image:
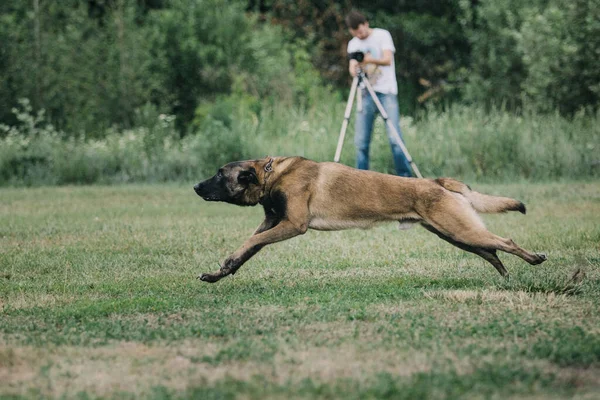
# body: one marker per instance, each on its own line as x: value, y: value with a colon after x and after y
x: 203, y: 190
x: 209, y: 190
x: 198, y: 189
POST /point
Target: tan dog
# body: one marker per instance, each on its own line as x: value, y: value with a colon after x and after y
x: 298, y: 194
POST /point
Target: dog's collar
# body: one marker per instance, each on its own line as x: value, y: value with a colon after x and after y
x: 269, y: 166
x: 268, y: 170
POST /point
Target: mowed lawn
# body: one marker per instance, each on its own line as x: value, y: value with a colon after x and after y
x: 99, y: 298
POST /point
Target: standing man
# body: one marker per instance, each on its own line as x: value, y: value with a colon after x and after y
x: 378, y: 63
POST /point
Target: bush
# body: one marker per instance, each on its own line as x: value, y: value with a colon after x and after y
x: 464, y: 142
x: 560, y: 46
x: 25, y: 153
x: 541, y: 51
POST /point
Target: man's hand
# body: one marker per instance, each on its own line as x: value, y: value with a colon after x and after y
x: 385, y: 60
x: 354, y: 65
x: 353, y: 68
x: 368, y: 59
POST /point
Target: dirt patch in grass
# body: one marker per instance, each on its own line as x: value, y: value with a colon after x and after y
x: 135, y: 368
x: 121, y: 367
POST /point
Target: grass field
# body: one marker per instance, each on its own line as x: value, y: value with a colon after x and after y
x: 99, y: 298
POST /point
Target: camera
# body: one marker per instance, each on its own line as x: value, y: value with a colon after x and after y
x: 356, y: 55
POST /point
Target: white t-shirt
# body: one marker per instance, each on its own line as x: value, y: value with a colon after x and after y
x: 381, y: 77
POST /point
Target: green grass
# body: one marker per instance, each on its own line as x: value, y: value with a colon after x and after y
x: 99, y: 298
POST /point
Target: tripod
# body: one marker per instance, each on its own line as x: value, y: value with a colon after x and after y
x: 361, y: 77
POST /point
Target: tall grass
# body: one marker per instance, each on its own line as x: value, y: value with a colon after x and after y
x: 464, y: 142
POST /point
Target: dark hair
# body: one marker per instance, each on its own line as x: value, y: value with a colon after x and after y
x: 354, y: 19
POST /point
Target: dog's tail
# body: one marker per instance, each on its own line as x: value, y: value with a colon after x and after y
x: 482, y: 203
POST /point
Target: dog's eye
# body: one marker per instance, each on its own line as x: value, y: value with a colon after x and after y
x: 220, y: 174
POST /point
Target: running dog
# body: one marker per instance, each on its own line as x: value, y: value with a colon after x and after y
x: 298, y: 194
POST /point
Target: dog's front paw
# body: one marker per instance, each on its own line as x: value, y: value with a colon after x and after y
x: 540, y: 258
x: 211, y: 278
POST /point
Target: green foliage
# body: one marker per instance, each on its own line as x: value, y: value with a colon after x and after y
x: 464, y: 142
x: 195, y: 45
x: 496, y: 71
x: 541, y: 51
x: 92, y: 70
x: 320, y: 25
x: 481, y: 144
x: 27, y: 148
x: 560, y: 45
x: 87, y: 76
x: 430, y: 46
x: 114, y: 87
x: 91, y: 65
x: 226, y: 109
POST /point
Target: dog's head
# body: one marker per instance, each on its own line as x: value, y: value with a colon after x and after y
x: 240, y: 183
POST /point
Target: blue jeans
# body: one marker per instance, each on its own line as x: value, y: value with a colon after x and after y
x: 364, y: 128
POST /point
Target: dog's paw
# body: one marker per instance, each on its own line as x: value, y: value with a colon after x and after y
x: 209, y: 278
x: 541, y: 257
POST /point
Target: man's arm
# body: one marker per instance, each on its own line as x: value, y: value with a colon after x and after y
x: 388, y: 57
x: 352, y: 67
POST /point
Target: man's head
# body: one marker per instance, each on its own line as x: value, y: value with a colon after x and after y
x: 358, y: 25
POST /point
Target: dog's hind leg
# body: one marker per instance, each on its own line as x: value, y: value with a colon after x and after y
x: 491, y: 257
x: 488, y: 255
x: 469, y: 230
x: 487, y: 240
x: 511, y: 247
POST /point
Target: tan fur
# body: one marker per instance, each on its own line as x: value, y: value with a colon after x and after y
x: 299, y: 194
x: 482, y: 203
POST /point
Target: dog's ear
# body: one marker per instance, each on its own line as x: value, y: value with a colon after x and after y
x: 247, y: 177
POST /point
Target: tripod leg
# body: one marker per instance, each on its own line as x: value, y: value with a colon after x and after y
x: 338, y: 151
x: 392, y: 128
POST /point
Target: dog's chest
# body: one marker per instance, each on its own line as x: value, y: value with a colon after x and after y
x: 276, y: 204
